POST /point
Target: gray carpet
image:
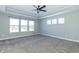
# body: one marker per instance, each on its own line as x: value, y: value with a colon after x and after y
x: 38, y: 44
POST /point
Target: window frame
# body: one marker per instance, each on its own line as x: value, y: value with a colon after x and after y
x: 23, y: 25
x: 49, y: 22
x: 54, y: 21
x: 13, y: 25
x: 31, y: 25
x: 59, y: 20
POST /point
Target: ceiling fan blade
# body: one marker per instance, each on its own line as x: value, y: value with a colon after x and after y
x: 43, y: 10
x: 38, y: 6
x: 43, y: 6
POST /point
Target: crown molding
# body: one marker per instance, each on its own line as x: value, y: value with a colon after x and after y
x: 19, y: 12
x: 12, y: 11
x: 63, y: 11
x: 26, y: 14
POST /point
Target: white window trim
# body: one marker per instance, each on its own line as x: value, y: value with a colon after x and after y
x: 49, y: 22
x: 63, y: 20
x: 33, y: 26
x: 21, y: 25
x: 54, y: 21
x: 11, y: 25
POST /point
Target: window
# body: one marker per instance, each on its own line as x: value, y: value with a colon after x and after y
x: 48, y: 21
x: 61, y: 21
x: 23, y: 25
x: 14, y: 25
x: 31, y: 25
x: 54, y: 21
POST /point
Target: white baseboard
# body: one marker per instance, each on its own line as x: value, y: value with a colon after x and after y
x: 62, y: 38
x: 17, y: 36
x: 45, y: 35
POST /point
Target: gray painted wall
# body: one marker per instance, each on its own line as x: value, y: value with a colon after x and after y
x: 68, y: 30
x: 4, y: 27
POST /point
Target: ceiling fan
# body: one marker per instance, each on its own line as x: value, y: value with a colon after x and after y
x: 39, y: 8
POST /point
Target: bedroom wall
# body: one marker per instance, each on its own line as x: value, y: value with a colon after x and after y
x: 4, y: 27
x: 69, y: 30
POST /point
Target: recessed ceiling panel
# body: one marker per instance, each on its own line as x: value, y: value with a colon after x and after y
x: 31, y: 10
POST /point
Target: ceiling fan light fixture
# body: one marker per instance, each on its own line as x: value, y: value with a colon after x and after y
x: 40, y: 8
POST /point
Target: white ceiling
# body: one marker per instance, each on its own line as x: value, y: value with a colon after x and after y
x: 30, y: 10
